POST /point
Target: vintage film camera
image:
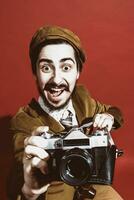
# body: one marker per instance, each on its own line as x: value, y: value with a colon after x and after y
x: 78, y: 159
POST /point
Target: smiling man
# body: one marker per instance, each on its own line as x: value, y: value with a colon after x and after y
x: 57, y: 73
x: 57, y: 59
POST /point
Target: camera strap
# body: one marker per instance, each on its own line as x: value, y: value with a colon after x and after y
x: 87, y: 125
x: 81, y: 193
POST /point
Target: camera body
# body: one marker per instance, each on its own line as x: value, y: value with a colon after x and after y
x: 77, y: 158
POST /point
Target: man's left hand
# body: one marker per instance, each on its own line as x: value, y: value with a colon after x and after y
x: 104, y: 120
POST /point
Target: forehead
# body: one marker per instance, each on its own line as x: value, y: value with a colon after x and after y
x: 57, y: 51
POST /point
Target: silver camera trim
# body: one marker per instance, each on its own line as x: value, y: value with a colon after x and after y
x: 76, y: 138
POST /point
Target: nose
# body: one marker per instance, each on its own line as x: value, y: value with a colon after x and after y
x: 57, y: 77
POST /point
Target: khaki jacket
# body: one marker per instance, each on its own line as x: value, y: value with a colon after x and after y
x: 30, y: 117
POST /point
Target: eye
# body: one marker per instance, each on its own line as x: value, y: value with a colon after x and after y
x: 46, y: 68
x: 66, y: 67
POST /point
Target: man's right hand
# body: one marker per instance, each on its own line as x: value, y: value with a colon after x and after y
x: 35, y: 157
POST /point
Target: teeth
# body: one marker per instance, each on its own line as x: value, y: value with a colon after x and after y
x: 56, y: 92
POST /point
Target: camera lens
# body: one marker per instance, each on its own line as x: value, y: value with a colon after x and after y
x: 76, y: 166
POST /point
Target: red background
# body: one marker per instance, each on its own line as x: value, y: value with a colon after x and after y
x: 106, y: 29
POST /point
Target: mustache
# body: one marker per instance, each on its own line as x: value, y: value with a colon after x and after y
x: 51, y: 85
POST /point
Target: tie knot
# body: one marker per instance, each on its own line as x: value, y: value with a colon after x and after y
x: 67, y: 119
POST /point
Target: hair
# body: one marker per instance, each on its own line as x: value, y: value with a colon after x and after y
x: 37, y: 50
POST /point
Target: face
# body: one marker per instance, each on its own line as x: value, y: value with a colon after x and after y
x: 57, y: 73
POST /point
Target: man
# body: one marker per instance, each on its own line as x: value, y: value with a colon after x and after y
x: 56, y: 57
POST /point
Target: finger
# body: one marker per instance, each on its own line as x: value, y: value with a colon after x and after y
x: 108, y: 123
x: 36, y: 141
x: 34, y: 192
x: 98, y: 120
x: 40, y: 164
x: 41, y: 190
x: 40, y: 130
x: 36, y: 151
x: 34, y: 162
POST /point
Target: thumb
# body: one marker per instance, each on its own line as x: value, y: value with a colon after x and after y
x: 39, y: 130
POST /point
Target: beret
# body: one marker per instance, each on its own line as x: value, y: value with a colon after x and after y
x: 48, y: 33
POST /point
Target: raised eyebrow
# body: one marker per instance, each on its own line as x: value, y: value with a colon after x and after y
x: 65, y: 59
x: 45, y: 60
x: 51, y: 62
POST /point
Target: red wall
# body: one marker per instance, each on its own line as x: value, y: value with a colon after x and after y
x: 106, y: 29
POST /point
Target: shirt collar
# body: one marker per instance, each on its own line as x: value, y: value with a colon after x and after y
x: 58, y: 113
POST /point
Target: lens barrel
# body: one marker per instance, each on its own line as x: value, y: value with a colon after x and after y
x: 76, y: 166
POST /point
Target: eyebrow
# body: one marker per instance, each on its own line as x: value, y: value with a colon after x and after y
x: 45, y: 60
x: 65, y: 59
x: 50, y: 61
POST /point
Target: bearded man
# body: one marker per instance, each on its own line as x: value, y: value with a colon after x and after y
x: 57, y: 59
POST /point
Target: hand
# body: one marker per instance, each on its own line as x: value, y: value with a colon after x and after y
x: 104, y: 120
x: 35, y: 157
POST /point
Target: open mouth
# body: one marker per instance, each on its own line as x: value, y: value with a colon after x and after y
x: 56, y: 92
